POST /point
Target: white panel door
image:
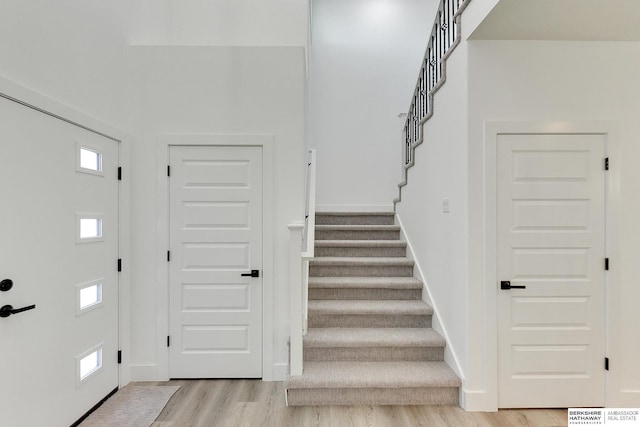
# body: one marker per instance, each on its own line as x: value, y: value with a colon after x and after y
x: 59, y: 234
x: 551, y: 241
x: 216, y: 241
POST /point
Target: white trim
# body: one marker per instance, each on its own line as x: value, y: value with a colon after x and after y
x: 124, y: 253
x: 355, y: 208
x: 162, y: 209
x: 491, y: 131
x: 280, y: 371
x: 32, y: 98
x: 450, y: 356
x: 144, y: 372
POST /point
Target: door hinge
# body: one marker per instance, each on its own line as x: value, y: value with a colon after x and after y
x: 119, y: 357
x: 168, y: 256
x: 168, y: 170
x: 119, y: 173
x: 119, y: 264
x: 606, y: 363
x: 168, y: 341
x: 606, y: 263
x: 606, y: 163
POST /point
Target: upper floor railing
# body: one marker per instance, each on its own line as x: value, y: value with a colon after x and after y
x: 445, y: 36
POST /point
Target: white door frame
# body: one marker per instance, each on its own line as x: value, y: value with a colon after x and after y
x: 49, y: 106
x: 165, y: 141
x: 612, y: 200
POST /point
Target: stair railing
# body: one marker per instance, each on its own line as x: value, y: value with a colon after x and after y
x: 445, y: 36
x: 309, y: 235
x: 301, y: 244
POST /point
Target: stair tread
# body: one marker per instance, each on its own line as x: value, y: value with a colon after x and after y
x: 366, y: 261
x: 373, y: 337
x: 356, y: 213
x: 374, y: 375
x: 361, y: 243
x: 358, y: 227
x: 362, y: 307
x: 365, y: 282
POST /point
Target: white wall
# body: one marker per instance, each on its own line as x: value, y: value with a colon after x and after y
x: 562, y: 81
x: 364, y: 62
x: 69, y: 50
x: 220, y: 22
x: 439, y: 240
x: 221, y: 90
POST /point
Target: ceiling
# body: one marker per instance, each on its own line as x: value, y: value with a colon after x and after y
x: 580, y: 20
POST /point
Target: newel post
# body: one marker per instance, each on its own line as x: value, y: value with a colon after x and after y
x: 295, y: 296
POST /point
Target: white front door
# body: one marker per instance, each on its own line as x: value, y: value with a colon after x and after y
x: 59, y: 248
x: 216, y: 241
x: 551, y: 250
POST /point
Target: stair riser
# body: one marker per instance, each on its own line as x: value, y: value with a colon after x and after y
x: 364, y: 294
x: 357, y: 235
x: 373, y: 354
x: 338, y: 251
x: 374, y: 396
x: 360, y: 271
x: 354, y: 219
x: 368, y: 321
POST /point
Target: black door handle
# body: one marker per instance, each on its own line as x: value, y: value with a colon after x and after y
x: 6, y: 285
x: 8, y: 310
x: 254, y: 273
x: 505, y: 285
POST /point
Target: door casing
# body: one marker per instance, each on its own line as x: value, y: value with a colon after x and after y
x: 165, y: 141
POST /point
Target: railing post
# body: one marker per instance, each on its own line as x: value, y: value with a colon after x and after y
x: 295, y: 297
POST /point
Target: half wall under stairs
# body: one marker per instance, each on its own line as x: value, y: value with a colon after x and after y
x: 369, y: 339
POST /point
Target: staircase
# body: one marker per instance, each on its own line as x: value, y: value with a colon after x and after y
x: 369, y: 339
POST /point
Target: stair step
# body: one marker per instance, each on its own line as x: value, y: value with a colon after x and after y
x: 373, y: 383
x: 380, y: 218
x: 361, y: 267
x: 357, y: 232
x: 369, y: 313
x: 360, y: 248
x: 363, y: 288
x: 373, y: 337
x: 371, y: 344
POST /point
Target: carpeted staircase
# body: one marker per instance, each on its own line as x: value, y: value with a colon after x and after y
x: 369, y: 339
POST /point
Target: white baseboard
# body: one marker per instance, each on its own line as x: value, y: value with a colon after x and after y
x: 354, y: 208
x: 476, y: 401
x: 145, y: 373
x: 280, y: 371
x: 451, y: 357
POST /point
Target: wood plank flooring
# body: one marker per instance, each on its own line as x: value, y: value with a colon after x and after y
x: 254, y: 403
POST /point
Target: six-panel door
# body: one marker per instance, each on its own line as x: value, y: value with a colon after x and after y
x: 551, y: 240
x: 216, y: 241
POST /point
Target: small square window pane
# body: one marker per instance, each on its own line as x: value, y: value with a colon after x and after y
x: 90, y: 228
x: 90, y: 159
x: 91, y: 295
x: 90, y: 363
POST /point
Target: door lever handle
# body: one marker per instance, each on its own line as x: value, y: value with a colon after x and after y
x: 254, y: 273
x: 8, y: 310
x: 505, y: 285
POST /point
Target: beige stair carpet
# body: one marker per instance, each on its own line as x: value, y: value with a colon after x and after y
x: 370, y: 339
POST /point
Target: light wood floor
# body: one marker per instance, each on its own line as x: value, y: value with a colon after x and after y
x: 254, y: 403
